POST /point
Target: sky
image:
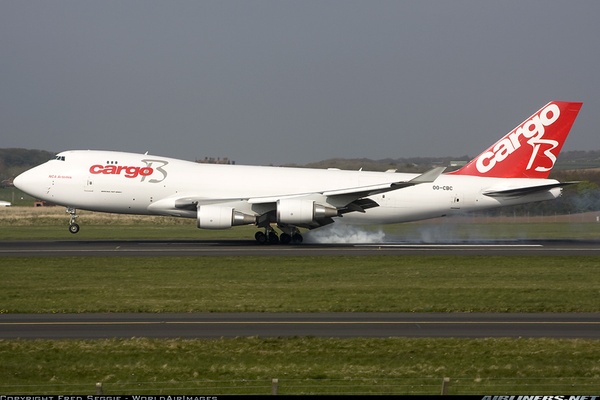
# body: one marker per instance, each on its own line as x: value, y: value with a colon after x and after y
x: 292, y: 82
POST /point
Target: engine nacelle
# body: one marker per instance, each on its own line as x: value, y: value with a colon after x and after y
x: 220, y: 217
x: 302, y: 211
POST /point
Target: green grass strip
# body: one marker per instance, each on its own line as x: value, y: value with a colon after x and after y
x: 300, y: 284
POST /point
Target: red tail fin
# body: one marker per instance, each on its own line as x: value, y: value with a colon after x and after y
x: 529, y: 150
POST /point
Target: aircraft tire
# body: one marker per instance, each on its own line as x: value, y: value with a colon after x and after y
x: 260, y: 237
x: 297, y: 238
x: 73, y: 228
x: 273, y: 238
x: 285, y: 238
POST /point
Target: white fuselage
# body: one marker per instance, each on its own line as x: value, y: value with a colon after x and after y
x: 119, y: 182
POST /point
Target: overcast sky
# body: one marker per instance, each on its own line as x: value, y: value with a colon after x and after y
x: 277, y: 82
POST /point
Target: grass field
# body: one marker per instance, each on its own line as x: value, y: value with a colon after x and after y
x: 303, y: 365
x: 299, y: 284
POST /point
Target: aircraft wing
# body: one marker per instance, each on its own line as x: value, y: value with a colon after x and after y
x: 354, y: 199
x: 342, y: 197
x: 526, y: 190
x: 363, y: 191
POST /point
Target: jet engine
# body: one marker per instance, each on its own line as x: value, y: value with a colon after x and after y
x: 302, y: 211
x: 220, y: 217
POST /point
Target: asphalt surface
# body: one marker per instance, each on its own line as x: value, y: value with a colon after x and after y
x: 157, y: 248
x: 341, y: 325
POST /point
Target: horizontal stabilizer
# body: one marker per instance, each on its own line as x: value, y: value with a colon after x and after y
x: 523, y: 191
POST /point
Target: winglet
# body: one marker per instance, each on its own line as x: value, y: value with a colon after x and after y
x: 529, y: 150
x: 428, y: 177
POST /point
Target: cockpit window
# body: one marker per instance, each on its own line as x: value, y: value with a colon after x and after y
x: 59, y: 158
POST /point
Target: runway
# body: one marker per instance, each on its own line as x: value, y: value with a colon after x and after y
x: 339, y: 325
x: 158, y: 248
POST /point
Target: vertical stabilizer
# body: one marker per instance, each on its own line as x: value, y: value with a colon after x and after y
x: 530, y: 150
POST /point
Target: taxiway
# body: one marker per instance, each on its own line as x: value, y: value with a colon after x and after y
x: 215, y: 325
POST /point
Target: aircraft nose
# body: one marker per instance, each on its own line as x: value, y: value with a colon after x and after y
x: 28, y: 182
x: 20, y: 181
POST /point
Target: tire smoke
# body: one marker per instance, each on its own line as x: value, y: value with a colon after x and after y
x: 340, y: 233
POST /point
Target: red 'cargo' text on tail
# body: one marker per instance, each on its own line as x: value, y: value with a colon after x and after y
x: 533, y: 130
x: 545, y: 133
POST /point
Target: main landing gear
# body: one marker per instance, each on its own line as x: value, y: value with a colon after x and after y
x: 269, y: 236
x: 73, y: 227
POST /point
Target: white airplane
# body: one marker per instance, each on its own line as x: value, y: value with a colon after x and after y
x: 512, y: 171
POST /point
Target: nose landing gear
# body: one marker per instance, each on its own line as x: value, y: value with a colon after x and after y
x: 73, y: 227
